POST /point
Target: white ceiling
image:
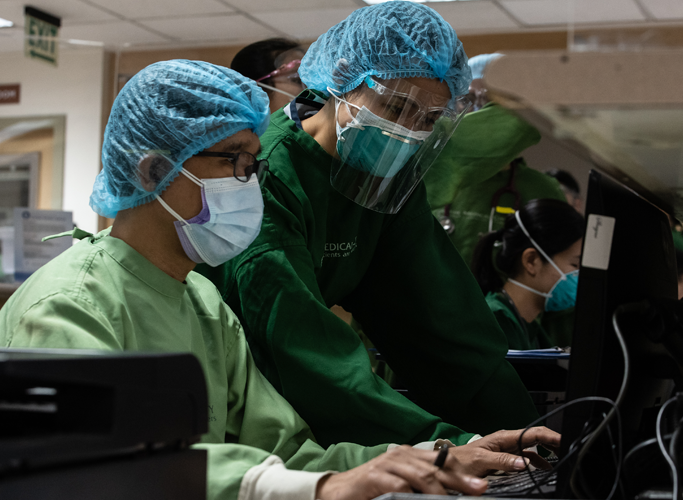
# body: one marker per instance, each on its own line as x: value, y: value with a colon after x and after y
x: 133, y: 24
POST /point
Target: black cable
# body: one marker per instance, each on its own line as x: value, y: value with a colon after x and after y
x: 618, y: 460
x: 642, y: 445
x: 573, y: 449
x: 622, y: 391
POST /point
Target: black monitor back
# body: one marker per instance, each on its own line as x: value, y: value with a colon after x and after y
x: 640, y: 264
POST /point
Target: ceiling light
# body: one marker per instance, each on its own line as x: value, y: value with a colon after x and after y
x: 373, y: 2
x: 5, y: 23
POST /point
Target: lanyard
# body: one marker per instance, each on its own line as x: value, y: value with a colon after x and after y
x: 510, y: 188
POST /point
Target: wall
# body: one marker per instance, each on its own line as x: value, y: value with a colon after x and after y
x: 40, y: 141
x: 73, y: 89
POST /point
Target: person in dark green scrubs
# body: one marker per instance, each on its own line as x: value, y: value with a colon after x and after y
x: 480, y: 177
x: 529, y: 266
x: 347, y: 222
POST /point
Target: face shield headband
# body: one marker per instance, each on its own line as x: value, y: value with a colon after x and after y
x: 389, y: 139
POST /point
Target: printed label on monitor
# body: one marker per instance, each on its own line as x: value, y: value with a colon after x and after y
x: 598, y: 244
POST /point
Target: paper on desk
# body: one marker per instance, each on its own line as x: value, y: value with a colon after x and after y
x: 552, y: 352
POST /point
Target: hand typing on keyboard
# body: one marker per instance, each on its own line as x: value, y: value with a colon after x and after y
x: 406, y: 469
x: 403, y: 469
x: 500, y: 451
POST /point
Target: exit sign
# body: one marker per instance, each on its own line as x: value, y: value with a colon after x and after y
x: 42, y: 31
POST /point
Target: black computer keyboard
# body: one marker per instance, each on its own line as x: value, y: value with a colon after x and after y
x: 523, y: 484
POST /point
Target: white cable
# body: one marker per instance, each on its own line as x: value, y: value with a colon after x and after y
x: 610, y: 415
x: 662, y: 447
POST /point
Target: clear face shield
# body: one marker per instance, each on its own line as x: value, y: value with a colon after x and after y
x: 388, y: 135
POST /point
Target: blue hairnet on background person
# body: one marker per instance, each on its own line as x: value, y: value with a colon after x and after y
x: 383, y: 88
x: 479, y: 63
x: 171, y: 110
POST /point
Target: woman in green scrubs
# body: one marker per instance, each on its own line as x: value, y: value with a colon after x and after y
x: 347, y: 222
x: 529, y: 266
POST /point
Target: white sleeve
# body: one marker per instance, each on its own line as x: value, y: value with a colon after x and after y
x: 271, y: 480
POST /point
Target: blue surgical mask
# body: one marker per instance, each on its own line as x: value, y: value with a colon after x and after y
x: 374, y: 145
x: 563, y: 293
x: 228, y: 223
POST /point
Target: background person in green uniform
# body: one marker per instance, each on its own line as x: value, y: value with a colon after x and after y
x: 530, y: 266
x: 383, y: 88
x: 273, y: 64
x: 134, y: 289
x: 479, y: 178
x: 570, y: 187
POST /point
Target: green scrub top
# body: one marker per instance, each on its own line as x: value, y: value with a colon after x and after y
x: 401, y: 279
x: 521, y: 335
x: 469, y: 172
x: 102, y: 294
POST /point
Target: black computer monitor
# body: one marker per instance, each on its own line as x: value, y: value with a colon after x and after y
x: 628, y: 256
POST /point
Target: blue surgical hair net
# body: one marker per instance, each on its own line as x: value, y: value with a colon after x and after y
x: 478, y: 64
x: 389, y: 40
x: 167, y: 113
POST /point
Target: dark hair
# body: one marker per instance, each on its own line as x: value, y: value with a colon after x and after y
x: 258, y: 59
x: 553, y: 224
x: 566, y: 179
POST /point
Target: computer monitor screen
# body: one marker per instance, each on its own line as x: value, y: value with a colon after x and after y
x: 628, y: 256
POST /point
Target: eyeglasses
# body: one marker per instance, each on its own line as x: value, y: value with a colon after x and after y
x: 411, y: 104
x: 245, y: 164
x: 290, y: 68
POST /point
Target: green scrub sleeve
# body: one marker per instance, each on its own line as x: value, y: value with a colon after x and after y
x: 62, y: 321
x: 484, y: 142
x: 259, y: 423
x: 318, y: 362
x: 419, y: 297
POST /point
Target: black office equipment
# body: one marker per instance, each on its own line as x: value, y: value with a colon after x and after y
x: 628, y: 260
x: 637, y: 264
x: 89, y: 424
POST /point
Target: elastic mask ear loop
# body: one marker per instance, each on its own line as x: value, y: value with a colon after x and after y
x: 521, y: 225
x: 170, y: 210
x: 275, y: 89
x: 522, y: 285
x: 337, y: 102
x: 194, y: 179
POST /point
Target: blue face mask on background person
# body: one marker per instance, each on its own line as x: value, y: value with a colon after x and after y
x: 563, y: 293
x: 228, y: 223
x: 374, y: 145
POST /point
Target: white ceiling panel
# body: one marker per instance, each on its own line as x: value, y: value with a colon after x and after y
x: 548, y: 12
x: 252, y: 6
x: 475, y: 16
x: 664, y: 9
x: 117, y: 33
x: 11, y: 40
x: 229, y: 27
x: 141, y: 9
x: 70, y: 11
x: 304, y: 24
